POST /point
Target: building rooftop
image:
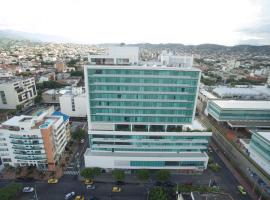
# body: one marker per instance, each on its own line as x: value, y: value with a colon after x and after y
x: 225, y: 91
x: 57, y: 113
x: 208, y: 94
x: 13, y: 79
x: 264, y: 134
x: 142, y: 67
x: 241, y: 104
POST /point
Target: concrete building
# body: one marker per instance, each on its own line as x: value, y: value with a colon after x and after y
x: 259, y: 149
x: 116, y: 55
x: 138, y: 117
x: 52, y: 96
x: 60, y: 66
x: 34, y: 140
x: 239, y: 113
x: 168, y: 59
x: 73, y: 103
x: 243, y: 92
x: 17, y: 91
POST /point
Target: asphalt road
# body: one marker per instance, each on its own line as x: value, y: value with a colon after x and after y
x: 69, y: 183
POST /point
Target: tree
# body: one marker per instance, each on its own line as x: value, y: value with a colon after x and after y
x: 118, y: 175
x: 38, y: 99
x: 19, y: 107
x: 163, y: 175
x: 76, y: 73
x: 90, y: 173
x: 143, y: 175
x: 10, y: 191
x: 78, y: 134
x: 157, y: 194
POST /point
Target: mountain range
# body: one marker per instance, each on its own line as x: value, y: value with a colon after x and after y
x: 9, y: 37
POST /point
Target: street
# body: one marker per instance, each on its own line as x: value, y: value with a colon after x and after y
x: 131, y: 190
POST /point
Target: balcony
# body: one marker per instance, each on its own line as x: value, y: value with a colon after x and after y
x: 19, y: 142
x: 31, y: 158
x: 27, y: 148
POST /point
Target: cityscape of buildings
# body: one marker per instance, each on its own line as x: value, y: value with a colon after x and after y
x: 142, y: 108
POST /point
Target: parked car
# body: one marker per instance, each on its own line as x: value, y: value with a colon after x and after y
x: 69, y: 195
x: 28, y: 189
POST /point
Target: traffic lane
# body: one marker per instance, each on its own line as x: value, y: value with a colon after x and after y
x: 229, y: 183
x: 132, y: 192
x: 58, y: 191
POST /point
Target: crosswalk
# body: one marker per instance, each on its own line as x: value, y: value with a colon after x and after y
x: 71, y: 172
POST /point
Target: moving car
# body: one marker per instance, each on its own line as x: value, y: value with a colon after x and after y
x: 69, y: 195
x: 52, y: 181
x: 88, y: 182
x: 116, y: 189
x: 28, y: 189
x: 79, y: 197
x: 241, y: 190
x: 90, y: 187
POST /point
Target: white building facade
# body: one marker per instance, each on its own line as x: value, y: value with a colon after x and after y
x: 37, y: 140
x: 116, y: 55
x: 74, y: 103
x: 17, y: 91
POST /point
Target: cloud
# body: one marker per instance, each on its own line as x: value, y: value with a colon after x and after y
x: 156, y: 21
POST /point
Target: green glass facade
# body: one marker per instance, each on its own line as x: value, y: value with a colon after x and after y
x: 260, y: 145
x: 237, y: 114
x: 147, y: 96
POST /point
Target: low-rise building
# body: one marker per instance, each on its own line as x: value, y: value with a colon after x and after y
x: 239, y: 113
x: 17, y: 91
x: 243, y: 92
x: 34, y: 140
x: 259, y: 149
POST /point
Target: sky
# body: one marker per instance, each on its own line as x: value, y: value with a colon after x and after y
x: 227, y: 22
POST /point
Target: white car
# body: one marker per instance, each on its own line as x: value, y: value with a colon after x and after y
x: 68, y: 195
x: 90, y: 187
x: 28, y: 189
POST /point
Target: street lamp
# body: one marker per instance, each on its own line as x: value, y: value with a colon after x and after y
x: 36, y: 197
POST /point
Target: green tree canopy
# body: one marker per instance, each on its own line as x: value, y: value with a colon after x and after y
x: 143, y: 174
x: 118, y: 175
x: 77, y: 73
x: 78, y: 134
x: 157, y: 194
x: 90, y: 173
x: 10, y: 191
x: 163, y: 175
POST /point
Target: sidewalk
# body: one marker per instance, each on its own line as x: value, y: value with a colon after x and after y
x: 238, y: 177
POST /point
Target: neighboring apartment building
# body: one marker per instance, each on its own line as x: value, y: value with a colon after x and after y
x: 34, y: 140
x: 73, y: 103
x: 17, y: 91
x: 138, y: 118
x: 117, y: 55
x: 259, y: 149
